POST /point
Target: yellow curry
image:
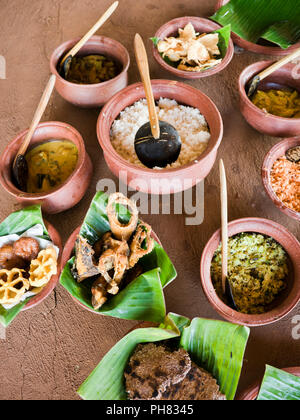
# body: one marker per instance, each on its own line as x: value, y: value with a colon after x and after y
x: 50, y: 164
x: 282, y: 103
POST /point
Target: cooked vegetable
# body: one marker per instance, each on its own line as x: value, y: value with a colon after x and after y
x: 282, y: 103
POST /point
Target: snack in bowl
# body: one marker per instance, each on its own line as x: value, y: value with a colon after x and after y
x: 178, y: 360
x: 114, y: 265
x: 25, y: 276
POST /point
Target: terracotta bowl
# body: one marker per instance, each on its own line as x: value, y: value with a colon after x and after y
x: 202, y: 26
x: 156, y: 181
x: 67, y: 255
x: 256, y: 48
x: 71, y: 191
x: 252, y: 393
x: 257, y: 118
x: 36, y: 300
x: 287, y: 300
x: 275, y: 153
x: 92, y: 96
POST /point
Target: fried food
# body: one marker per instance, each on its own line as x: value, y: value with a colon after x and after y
x: 9, y: 260
x: 26, y: 248
x: 142, y: 244
x: 13, y: 286
x: 85, y: 263
x: 119, y: 230
x: 99, y: 293
x: 43, y: 268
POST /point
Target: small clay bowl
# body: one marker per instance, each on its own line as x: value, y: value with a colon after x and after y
x: 160, y: 181
x: 257, y: 48
x: 201, y: 25
x: 66, y: 195
x: 287, y: 300
x: 256, y: 117
x: 275, y: 153
x: 252, y: 392
x: 96, y: 95
x: 36, y: 300
x: 67, y: 255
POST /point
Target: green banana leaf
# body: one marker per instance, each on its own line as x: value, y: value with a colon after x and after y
x: 276, y: 21
x: 279, y: 385
x: 201, y: 338
x: 143, y: 298
x: 18, y: 223
x: 224, y: 38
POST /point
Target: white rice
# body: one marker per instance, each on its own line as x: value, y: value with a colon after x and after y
x: 189, y: 122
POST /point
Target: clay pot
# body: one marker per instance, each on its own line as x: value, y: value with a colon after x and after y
x: 256, y: 117
x: 66, y: 195
x: 67, y: 255
x: 96, y: 95
x: 36, y: 300
x: 287, y: 300
x: 275, y: 153
x: 202, y: 26
x: 157, y: 181
x: 251, y: 393
x: 256, y: 48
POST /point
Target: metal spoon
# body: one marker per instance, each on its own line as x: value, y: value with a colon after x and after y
x: 253, y: 84
x: 65, y: 63
x: 157, y: 143
x: 224, y: 218
x: 20, y: 167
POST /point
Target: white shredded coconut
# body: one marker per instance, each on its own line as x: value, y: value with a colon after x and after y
x: 189, y: 122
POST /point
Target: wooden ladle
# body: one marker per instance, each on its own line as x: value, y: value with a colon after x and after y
x: 224, y: 220
x: 157, y: 143
x: 65, y: 63
x: 20, y: 167
x: 253, y: 84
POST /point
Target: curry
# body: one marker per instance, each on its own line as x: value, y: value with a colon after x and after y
x: 50, y: 164
x: 282, y: 103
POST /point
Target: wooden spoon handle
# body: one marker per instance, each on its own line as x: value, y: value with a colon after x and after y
x: 38, y: 115
x: 91, y: 32
x: 143, y: 65
x: 276, y: 66
x: 224, y: 219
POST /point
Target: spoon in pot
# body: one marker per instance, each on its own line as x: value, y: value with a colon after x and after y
x: 20, y: 167
x: 224, y: 218
x: 253, y: 84
x: 65, y: 63
x: 157, y: 143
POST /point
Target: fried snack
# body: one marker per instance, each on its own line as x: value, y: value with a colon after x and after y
x: 27, y: 248
x: 85, y: 263
x: 119, y: 230
x: 43, y: 268
x: 13, y: 286
x: 142, y: 244
x: 99, y: 292
x: 9, y: 260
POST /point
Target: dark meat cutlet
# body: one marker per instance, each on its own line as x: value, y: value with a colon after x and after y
x: 152, y: 369
x: 197, y: 385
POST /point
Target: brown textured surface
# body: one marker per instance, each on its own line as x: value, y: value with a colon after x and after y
x: 51, y: 349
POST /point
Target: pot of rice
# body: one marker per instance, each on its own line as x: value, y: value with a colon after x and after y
x: 193, y: 114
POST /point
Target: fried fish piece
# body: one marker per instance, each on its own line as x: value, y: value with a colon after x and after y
x: 142, y: 243
x: 99, y: 293
x: 85, y: 264
x: 119, y: 230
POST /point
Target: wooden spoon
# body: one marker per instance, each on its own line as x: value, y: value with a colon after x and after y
x: 157, y: 143
x: 66, y: 61
x: 20, y: 167
x: 224, y: 219
x: 253, y: 84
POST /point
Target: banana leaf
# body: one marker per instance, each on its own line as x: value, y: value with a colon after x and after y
x: 201, y: 338
x: 18, y: 223
x: 224, y: 38
x: 279, y: 385
x: 143, y: 299
x: 275, y: 21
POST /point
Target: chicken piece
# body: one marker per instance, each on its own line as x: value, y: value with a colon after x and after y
x: 99, y: 293
x: 142, y: 244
